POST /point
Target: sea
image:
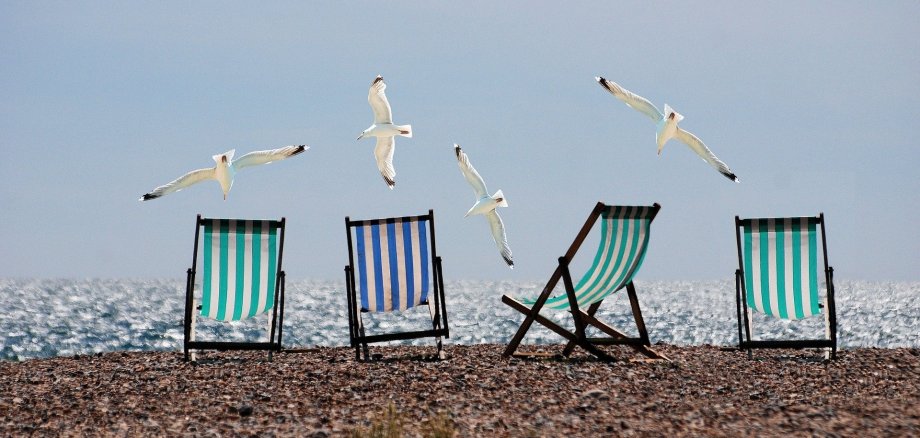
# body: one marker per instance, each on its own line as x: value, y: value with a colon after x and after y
x: 41, y: 318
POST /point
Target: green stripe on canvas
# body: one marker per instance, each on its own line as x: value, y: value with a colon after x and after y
x: 796, y: 230
x: 597, y: 257
x: 780, y: 278
x: 240, y: 270
x: 749, y: 265
x: 224, y: 269
x: 206, y: 285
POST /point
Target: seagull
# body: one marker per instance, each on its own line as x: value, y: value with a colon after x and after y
x: 485, y: 204
x: 667, y: 126
x: 224, y: 170
x: 384, y: 129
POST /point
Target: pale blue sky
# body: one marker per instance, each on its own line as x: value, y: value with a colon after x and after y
x: 812, y: 105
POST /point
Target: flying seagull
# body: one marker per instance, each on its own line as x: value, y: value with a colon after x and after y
x: 384, y: 129
x: 224, y: 170
x: 486, y: 205
x: 667, y: 128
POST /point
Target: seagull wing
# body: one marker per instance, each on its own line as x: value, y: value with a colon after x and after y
x: 635, y: 101
x: 384, y: 153
x: 498, y: 234
x: 697, y: 145
x: 379, y: 103
x: 264, y: 157
x: 470, y: 173
x: 193, y: 177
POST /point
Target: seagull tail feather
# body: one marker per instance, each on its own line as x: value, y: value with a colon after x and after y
x: 502, y: 202
x: 405, y: 130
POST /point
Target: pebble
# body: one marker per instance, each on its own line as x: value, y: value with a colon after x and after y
x: 703, y: 391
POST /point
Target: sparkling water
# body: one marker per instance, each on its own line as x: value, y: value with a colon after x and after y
x: 54, y: 317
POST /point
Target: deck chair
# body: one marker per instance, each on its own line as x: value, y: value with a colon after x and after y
x: 393, y: 266
x: 621, y: 249
x: 241, y: 278
x: 778, y: 276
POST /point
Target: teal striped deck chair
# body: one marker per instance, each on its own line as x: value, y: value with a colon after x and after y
x: 778, y: 276
x: 393, y: 266
x: 622, y: 245
x: 241, y: 278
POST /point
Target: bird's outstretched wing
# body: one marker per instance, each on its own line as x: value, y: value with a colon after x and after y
x: 635, y: 101
x: 384, y: 153
x: 697, y: 145
x: 470, y: 173
x: 264, y: 157
x: 498, y: 234
x: 193, y: 177
x: 379, y: 103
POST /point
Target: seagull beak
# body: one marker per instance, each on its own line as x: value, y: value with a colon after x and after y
x: 360, y: 137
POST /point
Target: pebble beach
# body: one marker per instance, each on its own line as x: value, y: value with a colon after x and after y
x: 701, y: 391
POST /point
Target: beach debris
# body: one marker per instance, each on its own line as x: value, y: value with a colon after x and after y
x: 666, y: 126
x: 385, y: 131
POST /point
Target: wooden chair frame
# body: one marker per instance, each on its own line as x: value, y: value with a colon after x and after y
x: 582, y: 318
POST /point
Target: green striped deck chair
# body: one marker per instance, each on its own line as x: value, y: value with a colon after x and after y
x: 778, y: 276
x: 393, y: 267
x: 241, y: 278
x: 622, y: 245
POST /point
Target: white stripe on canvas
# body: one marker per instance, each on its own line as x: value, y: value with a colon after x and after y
x: 402, y: 281
x: 385, y: 267
x: 215, y: 269
x: 416, y: 262
x: 771, y: 266
x: 755, y: 265
x: 806, y: 266
x: 230, y: 298
x: 263, y: 268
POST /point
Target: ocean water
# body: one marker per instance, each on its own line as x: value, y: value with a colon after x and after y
x: 54, y: 317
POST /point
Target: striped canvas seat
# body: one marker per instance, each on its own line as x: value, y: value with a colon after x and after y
x: 622, y: 245
x: 781, y: 266
x: 241, y: 278
x: 393, y: 266
x: 624, y: 239
x: 778, y: 275
x: 240, y: 266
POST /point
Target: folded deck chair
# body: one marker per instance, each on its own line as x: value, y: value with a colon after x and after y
x: 778, y: 276
x: 393, y: 266
x: 241, y: 278
x: 621, y: 249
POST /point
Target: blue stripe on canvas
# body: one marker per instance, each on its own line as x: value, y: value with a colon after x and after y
x: 410, y: 269
x: 423, y: 250
x: 362, y: 266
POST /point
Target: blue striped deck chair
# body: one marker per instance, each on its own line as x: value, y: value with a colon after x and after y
x: 621, y: 249
x: 241, y: 278
x: 778, y: 276
x: 393, y: 266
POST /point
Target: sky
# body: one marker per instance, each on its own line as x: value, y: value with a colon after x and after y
x: 812, y: 104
